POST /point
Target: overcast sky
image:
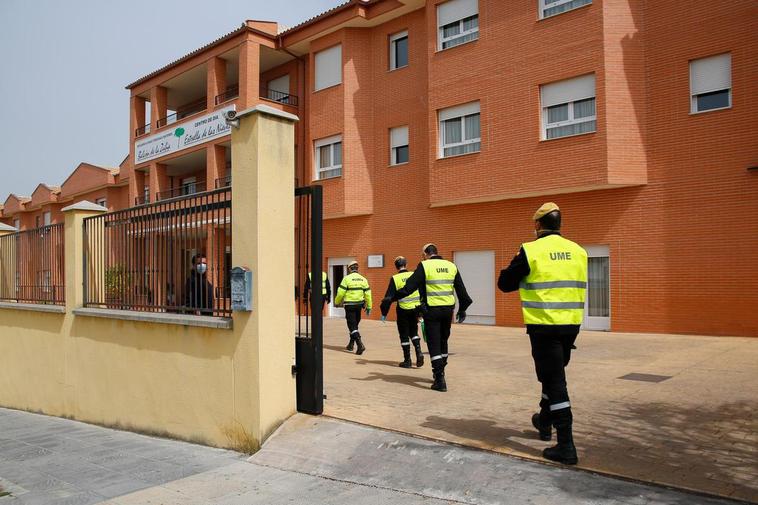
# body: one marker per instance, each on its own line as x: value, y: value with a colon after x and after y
x: 65, y: 65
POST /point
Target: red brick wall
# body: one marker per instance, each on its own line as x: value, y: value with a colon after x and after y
x: 683, y: 260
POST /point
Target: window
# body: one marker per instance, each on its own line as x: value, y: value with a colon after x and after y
x: 279, y: 89
x: 37, y: 221
x: 101, y: 201
x: 552, y: 7
x: 146, y: 194
x: 399, y: 152
x: 459, y: 130
x: 568, y: 107
x: 328, y: 67
x: 328, y: 157
x: 17, y: 224
x: 399, y: 50
x: 457, y: 23
x: 47, y: 218
x: 189, y: 186
x: 711, y: 83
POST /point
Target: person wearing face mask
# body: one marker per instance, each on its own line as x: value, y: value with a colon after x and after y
x: 550, y: 274
x: 198, y: 290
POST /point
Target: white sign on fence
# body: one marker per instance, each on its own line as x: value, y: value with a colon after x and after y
x: 180, y: 136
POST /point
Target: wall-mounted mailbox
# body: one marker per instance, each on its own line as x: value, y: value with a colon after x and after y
x: 242, y: 289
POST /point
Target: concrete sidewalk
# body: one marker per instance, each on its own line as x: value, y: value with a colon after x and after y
x: 696, y: 429
x: 310, y: 460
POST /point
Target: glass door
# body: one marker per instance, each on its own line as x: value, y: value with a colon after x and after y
x: 337, y: 271
x: 597, y: 309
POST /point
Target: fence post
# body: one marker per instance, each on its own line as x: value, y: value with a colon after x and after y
x: 74, y: 249
x: 7, y: 264
x: 263, y: 239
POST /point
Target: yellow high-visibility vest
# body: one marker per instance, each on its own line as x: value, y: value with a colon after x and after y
x: 323, y: 282
x: 440, y: 276
x: 411, y: 301
x: 553, y: 292
x: 354, y: 290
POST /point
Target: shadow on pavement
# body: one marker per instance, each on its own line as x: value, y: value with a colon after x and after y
x: 699, y: 447
x: 484, y: 431
x: 338, y: 348
x: 362, y: 361
x: 407, y: 380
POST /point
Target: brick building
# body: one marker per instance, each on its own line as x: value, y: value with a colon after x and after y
x: 451, y: 121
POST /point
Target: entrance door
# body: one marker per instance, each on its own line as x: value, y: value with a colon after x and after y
x: 477, y: 269
x: 597, y: 308
x: 337, y: 271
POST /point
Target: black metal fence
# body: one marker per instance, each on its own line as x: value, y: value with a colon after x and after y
x: 32, y: 266
x: 146, y: 258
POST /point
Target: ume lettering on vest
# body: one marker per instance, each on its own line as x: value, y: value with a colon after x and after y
x: 441, y: 270
x: 560, y: 255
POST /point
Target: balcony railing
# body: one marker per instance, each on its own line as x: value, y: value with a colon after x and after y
x: 183, y: 111
x: 231, y: 93
x: 32, y: 266
x: 224, y: 182
x: 142, y: 258
x: 142, y: 200
x: 278, y: 96
x: 183, y: 190
x: 142, y: 130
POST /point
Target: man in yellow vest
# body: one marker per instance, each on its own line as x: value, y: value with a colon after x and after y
x: 551, y: 276
x: 354, y: 294
x: 407, y: 314
x: 438, y: 282
x: 326, y: 289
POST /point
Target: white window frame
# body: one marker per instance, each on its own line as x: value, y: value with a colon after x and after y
x: 441, y: 39
x: 393, y: 43
x: 47, y: 218
x: 459, y: 111
x: 394, y: 147
x: 17, y: 224
x: 317, y: 145
x: 570, y: 120
x: 276, y: 86
x: 102, y: 202
x: 543, y: 7
x: 711, y: 89
x: 330, y: 83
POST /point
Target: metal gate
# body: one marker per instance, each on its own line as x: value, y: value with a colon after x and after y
x: 309, y: 342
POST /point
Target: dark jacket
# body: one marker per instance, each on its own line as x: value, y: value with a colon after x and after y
x: 198, y: 293
x: 417, y: 281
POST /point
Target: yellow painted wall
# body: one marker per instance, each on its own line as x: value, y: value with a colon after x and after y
x: 215, y: 386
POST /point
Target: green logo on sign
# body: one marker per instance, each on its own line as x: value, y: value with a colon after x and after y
x: 178, y: 133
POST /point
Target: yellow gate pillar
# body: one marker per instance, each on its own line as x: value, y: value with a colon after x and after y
x: 263, y: 240
x: 7, y: 263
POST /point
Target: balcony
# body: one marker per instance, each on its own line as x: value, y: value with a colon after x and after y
x: 183, y: 190
x: 142, y: 130
x: 231, y: 93
x: 224, y: 182
x: 183, y: 111
x: 279, y: 96
x: 142, y: 200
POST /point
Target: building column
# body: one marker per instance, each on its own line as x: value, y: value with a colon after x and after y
x: 215, y: 165
x: 137, y: 114
x: 263, y: 240
x: 74, y: 250
x: 136, y: 187
x: 159, y: 181
x: 249, y: 74
x: 158, y: 105
x: 216, y: 80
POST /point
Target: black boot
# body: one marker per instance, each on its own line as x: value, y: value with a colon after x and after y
x: 565, y: 451
x: 361, y: 347
x: 439, y: 376
x: 406, y: 363
x: 545, y: 429
x: 419, y: 354
x: 350, y: 344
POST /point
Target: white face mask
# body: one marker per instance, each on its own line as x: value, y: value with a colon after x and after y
x: 201, y: 268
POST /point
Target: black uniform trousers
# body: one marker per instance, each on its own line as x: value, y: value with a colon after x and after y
x: 437, y: 322
x: 407, y: 325
x: 353, y: 318
x: 551, y: 351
